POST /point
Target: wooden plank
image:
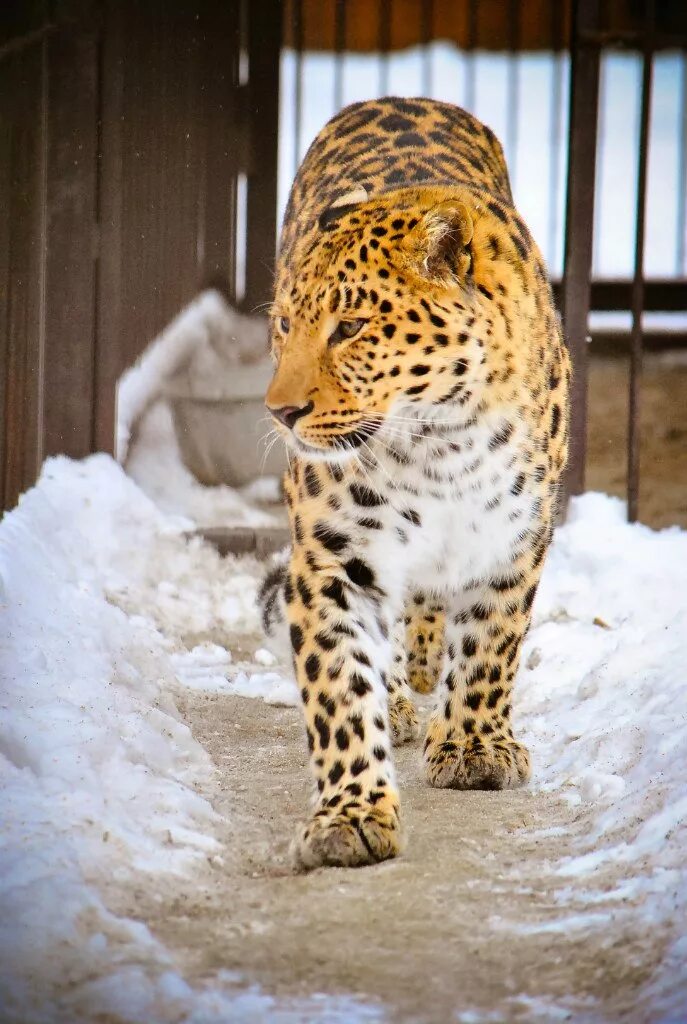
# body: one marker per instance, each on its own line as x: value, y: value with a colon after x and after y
x: 24, y: 79
x: 21, y: 22
x: 259, y: 541
x: 264, y: 44
x: 70, y: 256
x: 109, y: 361
x: 450, y: 21
x: 161, y: 159
x: 5, y: 185
x: 224, y: 144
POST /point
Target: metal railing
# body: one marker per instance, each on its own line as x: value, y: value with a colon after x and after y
x: 576, y: 42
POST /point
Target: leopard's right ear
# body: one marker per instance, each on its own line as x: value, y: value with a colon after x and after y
x: 344, y: 204
x: 438, y: 247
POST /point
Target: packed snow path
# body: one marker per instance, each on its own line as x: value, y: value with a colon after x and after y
x: 473, y: 923
x: 147, y: 808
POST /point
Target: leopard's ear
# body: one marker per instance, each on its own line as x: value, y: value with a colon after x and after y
x: 342, y: 204
x: 358, y: 195
x: 439, y: 245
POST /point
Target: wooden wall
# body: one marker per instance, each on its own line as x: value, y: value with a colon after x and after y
x: 123, y: 127
x: 374, y: 25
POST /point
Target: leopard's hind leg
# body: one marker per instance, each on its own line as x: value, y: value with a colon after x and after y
x: 403, y: 720
x: 424, y: 642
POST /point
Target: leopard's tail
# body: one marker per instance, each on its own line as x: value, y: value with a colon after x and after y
x: 272, y: 604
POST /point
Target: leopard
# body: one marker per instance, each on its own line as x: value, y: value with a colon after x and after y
x: 421, y: 385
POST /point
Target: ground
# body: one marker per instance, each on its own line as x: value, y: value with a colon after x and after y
x: 466, y: 921
x: 663, y: 432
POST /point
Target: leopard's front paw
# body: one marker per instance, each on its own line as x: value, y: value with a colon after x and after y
x: 350, y: 835
x: 403, y: 720
x: 468, y: 762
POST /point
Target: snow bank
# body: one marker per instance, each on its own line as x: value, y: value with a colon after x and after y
x: 96, y: 768
x: 604, y: 703
x: 101, y: 597
x: 108, y: 608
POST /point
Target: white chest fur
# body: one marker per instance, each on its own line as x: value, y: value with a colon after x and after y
x: 457, y: 504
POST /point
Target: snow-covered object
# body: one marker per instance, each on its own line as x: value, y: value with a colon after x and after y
x: 155, y: 463
x: 206, y: 339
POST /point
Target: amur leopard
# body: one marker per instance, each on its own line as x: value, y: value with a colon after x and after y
x: 421, y: 384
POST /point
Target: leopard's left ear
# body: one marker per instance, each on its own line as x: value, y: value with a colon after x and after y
x: 342, y: 205
x: 439, y: 245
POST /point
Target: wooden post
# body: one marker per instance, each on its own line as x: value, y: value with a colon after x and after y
x: 72, y: 113
x: 23, y: 82
x: 264, y: 45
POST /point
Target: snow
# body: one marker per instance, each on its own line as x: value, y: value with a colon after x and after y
x: 109, y: 609
x: 605, y: 707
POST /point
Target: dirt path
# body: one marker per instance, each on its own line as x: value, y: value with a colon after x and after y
x: 472, y: 918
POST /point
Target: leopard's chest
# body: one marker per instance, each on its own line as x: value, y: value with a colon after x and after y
x: 457, y: 508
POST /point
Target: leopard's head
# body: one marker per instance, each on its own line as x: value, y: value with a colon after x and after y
x: 385, y: 317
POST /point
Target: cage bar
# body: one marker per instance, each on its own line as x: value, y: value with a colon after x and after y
x: 634, y: 438
x: 579, y: 226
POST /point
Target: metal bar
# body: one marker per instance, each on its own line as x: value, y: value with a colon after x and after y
x: 469, y: 101
x: 617, y: 343
x: 384, y: 44
x: 579, y: 224
x: 634, y: 438
x: 223, y: 117
x: 513, y: 90
x: 660, y: 295
x: 297, y: 26
x: 339, y: 47
x: 555, y: 126
x: 681, y: 254
x: 633, y: 39
x: 426, y: 24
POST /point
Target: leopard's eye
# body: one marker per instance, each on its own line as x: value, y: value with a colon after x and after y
x: 346, y: 329
x: 284, y: 324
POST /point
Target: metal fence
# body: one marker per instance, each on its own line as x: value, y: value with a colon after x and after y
x: 554, y: 141
x: 593, y: 31
x: 143, y: 146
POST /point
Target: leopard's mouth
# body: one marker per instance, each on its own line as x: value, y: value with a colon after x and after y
x: 354, y: 438
x: 338, y: 445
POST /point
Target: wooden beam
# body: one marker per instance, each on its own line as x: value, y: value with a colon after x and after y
x: 72, y: 115
x: 264, y: 46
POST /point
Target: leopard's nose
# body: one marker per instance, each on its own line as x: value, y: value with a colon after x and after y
x: 290, y: 414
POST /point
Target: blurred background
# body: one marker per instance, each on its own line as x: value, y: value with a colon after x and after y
x: 146, y: 154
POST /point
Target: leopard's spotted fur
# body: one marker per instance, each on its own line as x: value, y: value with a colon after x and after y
x: 426, y: 457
